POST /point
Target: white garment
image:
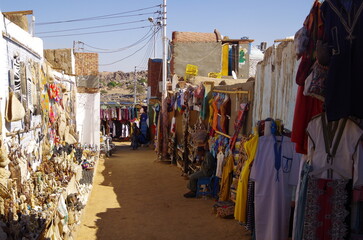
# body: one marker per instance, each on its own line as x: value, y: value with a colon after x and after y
x: 267, y: 129
x: 220, y: 158
x: 348, y: 156
x: 113, y: 130
x: 272, y: 196
x: 172, y: 127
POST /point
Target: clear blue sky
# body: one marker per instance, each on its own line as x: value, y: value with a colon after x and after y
x: 263, y: 20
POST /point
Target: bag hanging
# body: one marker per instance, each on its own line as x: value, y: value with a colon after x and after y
x: 14, y: 109
x: 199, y: 134
x: 315, y: 82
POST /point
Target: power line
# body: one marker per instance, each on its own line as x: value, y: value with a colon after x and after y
x: 148, y: 53
x: 99, y: 26
x: 147, y: 35
x: 98, y: 17
x: 75, y: 34
x: 128, y: 55
x: 133, y: 15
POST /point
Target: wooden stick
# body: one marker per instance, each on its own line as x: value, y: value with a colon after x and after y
x: 14, y: 40
x: 228, y: 91
x: 234, y: 92
x: 284, y: 40
x: 23, y: 131
x: 223, y: 134
x: 27, y: 12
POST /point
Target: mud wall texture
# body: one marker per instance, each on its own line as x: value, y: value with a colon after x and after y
x: 275, y: 87
x: 206, y: 55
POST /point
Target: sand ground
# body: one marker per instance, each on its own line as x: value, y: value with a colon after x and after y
x: 137, y: 197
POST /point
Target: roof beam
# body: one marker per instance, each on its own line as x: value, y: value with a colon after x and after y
x: 27, y: 12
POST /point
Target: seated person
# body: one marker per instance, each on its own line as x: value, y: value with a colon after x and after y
x: 207, y: 169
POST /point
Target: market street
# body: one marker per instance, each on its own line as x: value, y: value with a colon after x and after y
x: 136, y: 197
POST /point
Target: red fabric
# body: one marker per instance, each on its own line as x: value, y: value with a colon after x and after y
x: 238, y: 124
x: 305, y: 109
x: 358, y: 195
x: 325, y: 204
x: 304, y: 69
x: 314, y: 26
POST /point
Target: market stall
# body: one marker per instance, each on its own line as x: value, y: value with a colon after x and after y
x: 45, y: 175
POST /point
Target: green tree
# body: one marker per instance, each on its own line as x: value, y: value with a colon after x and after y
x: 112, y: 84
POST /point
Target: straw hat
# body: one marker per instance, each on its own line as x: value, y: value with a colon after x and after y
x: 14, y: 109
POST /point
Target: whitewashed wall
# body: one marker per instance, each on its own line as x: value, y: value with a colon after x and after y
x: 88, y: 118
x: 275, y: 87
x: 30, y: 48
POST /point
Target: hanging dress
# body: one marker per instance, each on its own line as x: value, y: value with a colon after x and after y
x: 275, y: 171
x: 343, y: 27
x: 240, y: 210
x: 226, y: 180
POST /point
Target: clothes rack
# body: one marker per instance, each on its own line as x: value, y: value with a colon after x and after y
x: 234, y: 92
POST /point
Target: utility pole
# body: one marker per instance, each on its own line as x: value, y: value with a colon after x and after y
x: 165, y: 48
x: 154, y: 39
x: 135, y: 80
x: 164, y: 112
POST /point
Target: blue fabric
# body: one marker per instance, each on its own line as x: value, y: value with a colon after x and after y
x: 300, y: 208
x: 278, y: 151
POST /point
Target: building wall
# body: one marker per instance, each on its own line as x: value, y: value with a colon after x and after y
x: 60, y: 59
x: 244, y: 67
x: 28, y: 48
x: 19, y: 19
x: 206, y: 55
x: 86, y: 63
x: 275, y: 87
x: 88, y: 118
x: 154, y: 76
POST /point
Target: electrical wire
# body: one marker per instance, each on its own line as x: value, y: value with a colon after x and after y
x: 147, y: 35
x: 99, y: 17
x: 107, y: 64
x: 133, y: 15
x: 77, y: 34
x: 148, y: 53
x: 99, y: 26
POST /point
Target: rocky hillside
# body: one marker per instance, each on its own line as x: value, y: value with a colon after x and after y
x: 119, y: 86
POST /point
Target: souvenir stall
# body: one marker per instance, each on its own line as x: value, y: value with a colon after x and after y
x: 183, y: 113
x: 201, y: 113
x: 326, y: 124
x: 116, y: 120
x: 226, y: 141
x: 266, y: 185
x: 43, y: 180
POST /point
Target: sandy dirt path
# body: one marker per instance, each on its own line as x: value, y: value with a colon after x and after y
x: 136, y: 197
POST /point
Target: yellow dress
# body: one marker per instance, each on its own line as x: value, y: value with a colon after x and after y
x: 240, y: 210
x: 226, y: 180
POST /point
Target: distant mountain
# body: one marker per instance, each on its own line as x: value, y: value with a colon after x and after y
x: 117, y: 86
x: 120, y: 77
